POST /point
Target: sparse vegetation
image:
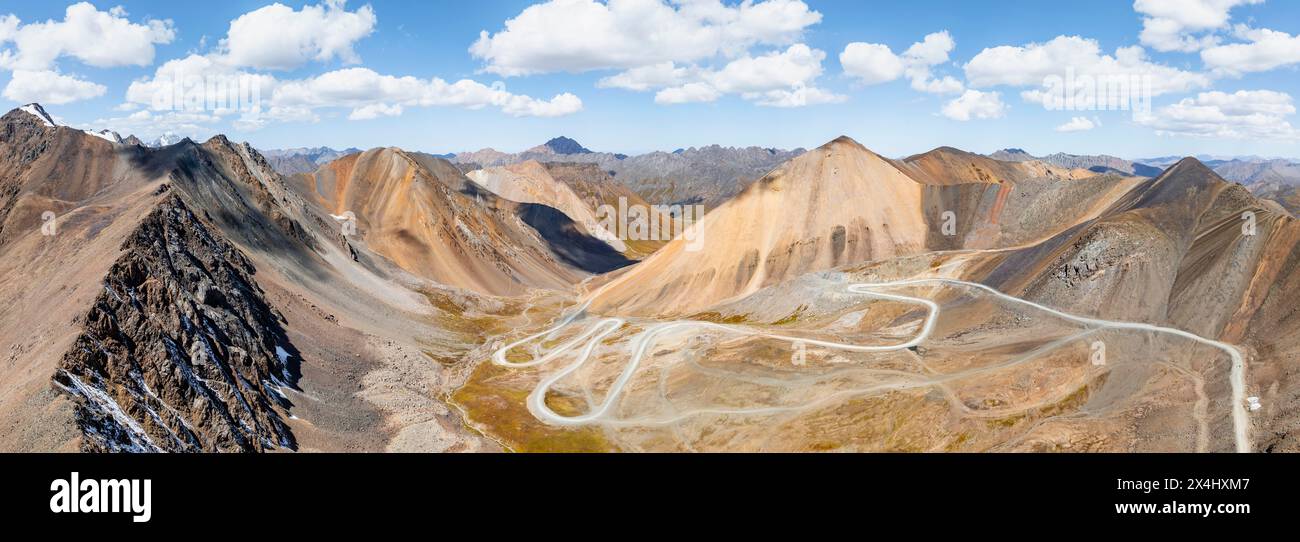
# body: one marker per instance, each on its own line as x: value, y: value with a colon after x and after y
x: 494, y: 397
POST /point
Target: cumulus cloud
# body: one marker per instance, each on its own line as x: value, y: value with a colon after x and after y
x: 684, y: 51
x: 50, y: 88
x: 232, y: 83
x: 974, y: 104
x: 359, y: 88
x: 97, y: 38
x: 782, y: 78
x: 374, y: 111
x: 874, y: 63
x: 1181, y: 25
x: 663, y: 74
x: 798, y: 96
x: 199, y: 82
x: 871, y: 63
x: 1265, y: 50
x: 1253, y: 114
x: 687, y: 93
x: 923, y: 56
x: 1079, y: 124
x: 277, y: 37
x: 206, y: 84
x: 797, y: 65
x: 149, y: 124
x: 584, y: 35
x: 1076, y: 59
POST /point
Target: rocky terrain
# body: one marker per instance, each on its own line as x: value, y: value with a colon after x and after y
x: 181, y: 351
x: 732, y: 328
x: 192, y: 298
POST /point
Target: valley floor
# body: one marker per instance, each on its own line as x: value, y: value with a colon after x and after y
x: 920, y: 364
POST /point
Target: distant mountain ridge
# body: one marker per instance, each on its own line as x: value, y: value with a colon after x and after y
x: 1101, y: 163
x: 561, y: 145
x: 704, y: 175
x: 303, y: 159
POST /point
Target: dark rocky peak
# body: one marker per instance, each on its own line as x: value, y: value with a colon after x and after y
x: 564, y: 145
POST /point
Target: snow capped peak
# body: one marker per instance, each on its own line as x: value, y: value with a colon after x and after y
x: 37, y: 111
x: 105, y: 134
x: 167, y: 139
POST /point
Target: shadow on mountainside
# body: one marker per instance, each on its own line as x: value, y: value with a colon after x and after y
x: 567, y: 241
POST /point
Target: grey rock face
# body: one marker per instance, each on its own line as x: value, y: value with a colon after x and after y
x: 181, y: 351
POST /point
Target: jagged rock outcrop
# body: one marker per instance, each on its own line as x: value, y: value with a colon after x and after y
x: 181, y: 351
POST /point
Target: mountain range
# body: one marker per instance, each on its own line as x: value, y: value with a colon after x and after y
x: 1099, y: 163
x: 191, y: 297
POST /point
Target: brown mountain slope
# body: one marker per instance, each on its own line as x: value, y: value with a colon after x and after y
x: 171, y: 345
x: 842, y: 204
x: 597, y: 188
x: 946, y: 165
x: 530, y: 182
x: 425, y: 216
x: 794, y: 220
x: 1194, y: 252
x: 190, y: 298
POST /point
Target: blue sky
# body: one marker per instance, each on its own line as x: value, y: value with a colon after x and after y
x: 1234, y: 68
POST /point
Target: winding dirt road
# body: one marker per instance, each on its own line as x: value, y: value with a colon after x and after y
x: 602, y: 328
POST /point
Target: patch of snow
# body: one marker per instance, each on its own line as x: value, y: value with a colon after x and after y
x: 284, y: 377
x: 104, y: 404
x: 167, y: 139
x: 39, y: 112
x: 106, y: 135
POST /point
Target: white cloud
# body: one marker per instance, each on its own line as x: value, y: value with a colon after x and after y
x: 923, y: 56
x: 97, y: 38
x: 198, y: 82
x: 640, y: 79
x: 1079, y: 124
x: 277, y: 37
x: 1266, y: 50
x: 374, y: 111
x: 974, y: 104
x: 1063, y: 57
x: 687, y: 93
x: 50, y: 88
x: 945, y: 85
x: 148, y: 124
x: 1181, y: 25
x: 686, y: 51
x: 799, y: 96
x: 797, y: 65
x: 361, y: 87
x: 584, y: 35
x: 1253, y: 114
x: 873, y: 63
x: 778, y: 78
x: 207, y: 86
